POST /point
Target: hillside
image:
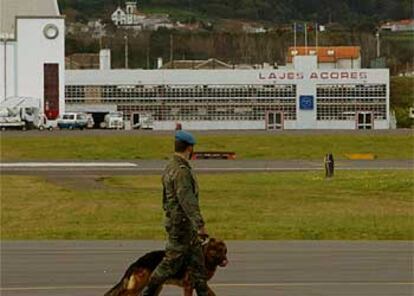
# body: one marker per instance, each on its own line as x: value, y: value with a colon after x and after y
x: 323, y: 11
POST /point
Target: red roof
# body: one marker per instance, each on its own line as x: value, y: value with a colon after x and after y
x: 328, y: 54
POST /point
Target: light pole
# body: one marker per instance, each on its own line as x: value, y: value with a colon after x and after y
x: 378, y: 43
x: 3, y: 37
x: 126, y: 51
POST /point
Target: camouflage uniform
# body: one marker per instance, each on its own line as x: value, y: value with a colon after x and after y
x: 182, y: 220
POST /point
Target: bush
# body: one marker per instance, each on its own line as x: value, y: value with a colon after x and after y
x: 402, y: 98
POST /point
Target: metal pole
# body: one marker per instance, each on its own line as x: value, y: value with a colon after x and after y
x: 172, y: 51
x: 378, y: 44
x: 148, y: 57
x: 306, y: 39
x: 126, y: 51
x: 317, y: 45
x: 295, y: 37
x: 5, y: 67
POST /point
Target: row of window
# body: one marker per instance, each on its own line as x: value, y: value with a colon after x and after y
x: 244, y: 112
x: 369, y: 90
x: 348, y: 112
x: 202, y: 102
x: 176, y: 92
x: 350, y: 101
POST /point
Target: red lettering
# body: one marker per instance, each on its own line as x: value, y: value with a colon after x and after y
x: 344, y: 75
x: 314, y: 75
x: 334, y: 75
x: 324, y: 75
x: 272, y: 76
x: 354, y: 75
x: 291, y: 75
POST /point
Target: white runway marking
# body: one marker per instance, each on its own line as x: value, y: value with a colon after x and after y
x: 223, y: 285
x: 66, y: 164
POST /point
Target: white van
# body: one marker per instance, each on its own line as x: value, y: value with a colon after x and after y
x: 73, y: 121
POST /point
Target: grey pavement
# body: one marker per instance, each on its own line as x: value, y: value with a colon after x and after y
x: 134, y: 167
x: 288, y: 268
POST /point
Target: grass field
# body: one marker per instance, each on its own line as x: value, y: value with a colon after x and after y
x: 159, y: 146
x: 373, y: 205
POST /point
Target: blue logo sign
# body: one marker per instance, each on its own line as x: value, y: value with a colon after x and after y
x: 306, y: 102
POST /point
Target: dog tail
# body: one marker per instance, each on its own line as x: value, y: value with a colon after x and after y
x: 117, y: 289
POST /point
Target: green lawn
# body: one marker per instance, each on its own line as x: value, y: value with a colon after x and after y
x: 157, y: 146
x: 375, y: 205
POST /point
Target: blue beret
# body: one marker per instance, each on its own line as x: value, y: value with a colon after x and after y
x: 185, y: 137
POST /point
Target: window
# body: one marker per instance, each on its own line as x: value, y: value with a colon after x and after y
x: 343, y: 102
x: 191, y: 102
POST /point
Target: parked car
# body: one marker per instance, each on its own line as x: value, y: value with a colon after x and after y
x: 73, y: 121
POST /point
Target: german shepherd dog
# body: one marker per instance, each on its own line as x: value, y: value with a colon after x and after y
x: 138, y: 274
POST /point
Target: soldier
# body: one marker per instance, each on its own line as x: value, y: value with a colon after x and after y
x: 183, y: 221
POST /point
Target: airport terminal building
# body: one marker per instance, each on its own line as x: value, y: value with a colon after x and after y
x: 300, y: 97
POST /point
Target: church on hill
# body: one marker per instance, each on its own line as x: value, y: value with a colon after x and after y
x: 130, y: 16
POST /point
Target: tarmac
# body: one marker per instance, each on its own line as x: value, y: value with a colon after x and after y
x: 259, y: 268
x: 70, y: 168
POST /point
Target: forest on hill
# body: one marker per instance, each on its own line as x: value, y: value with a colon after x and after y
x: 277, y: 11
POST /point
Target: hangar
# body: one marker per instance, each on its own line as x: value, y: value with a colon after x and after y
x: 32, y: 49
x: 300, y: 97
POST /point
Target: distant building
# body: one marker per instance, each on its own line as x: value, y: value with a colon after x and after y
x: 252, y: 29
x: 130, y: 17
x: 94, y: 29
x: 399, y: 26
x: 197, y: 64
x: 32, y: 53
x: 329, y: 57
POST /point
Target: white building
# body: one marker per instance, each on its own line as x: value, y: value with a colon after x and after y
x: 304, y: 97
x: 131, y: 18
x: 406, y: 25
x: 128, y: 17
x: 329, y: 57
x: 32, y: 46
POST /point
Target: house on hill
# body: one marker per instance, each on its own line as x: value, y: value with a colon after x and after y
x: 399, y: 26
x: 131, y: 18
x: 329, y: 57
x: 128, y: 17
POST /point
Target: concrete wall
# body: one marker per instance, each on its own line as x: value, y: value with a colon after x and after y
x: 8, y: 73
x: 33, y: 51
x: 211, y: 125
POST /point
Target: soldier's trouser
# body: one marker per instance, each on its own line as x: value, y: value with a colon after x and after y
x: 174, y: 260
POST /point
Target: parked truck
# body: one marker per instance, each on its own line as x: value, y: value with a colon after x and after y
x: 13, y: 118
x: 142, y: 121
x: 22, y: 113
x: 113, y: 120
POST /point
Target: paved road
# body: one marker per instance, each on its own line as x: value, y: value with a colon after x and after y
x: 256, y: 268
x: 202, y: 166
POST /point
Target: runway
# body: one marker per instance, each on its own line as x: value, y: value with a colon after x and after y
x: 202, y: 166
x: 259, y: 268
